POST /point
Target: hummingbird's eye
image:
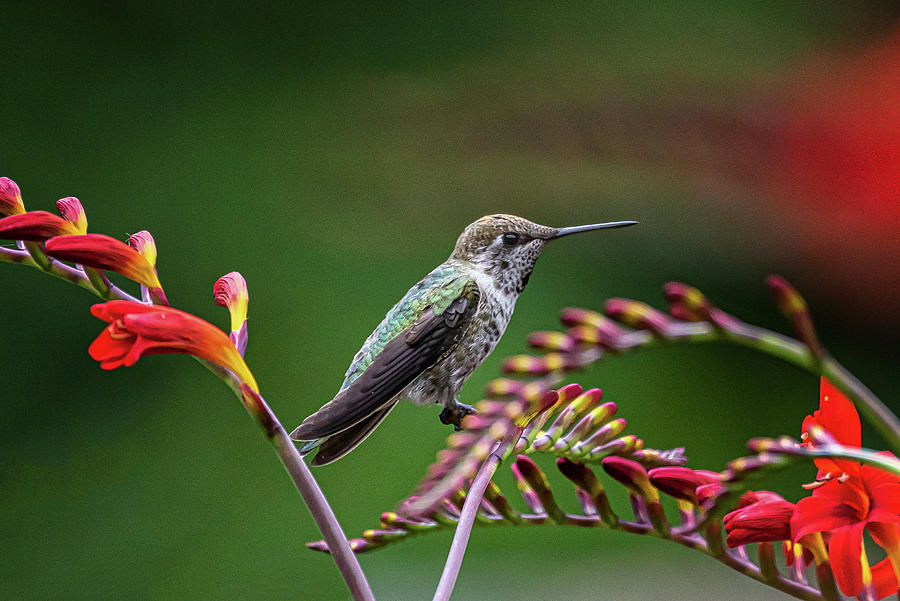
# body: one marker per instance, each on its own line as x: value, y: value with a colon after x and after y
x: 510, y: 239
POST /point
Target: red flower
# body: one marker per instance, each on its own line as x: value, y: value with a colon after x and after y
x: 10, y: 198
x: 760, y: 517
x: 102, y: 252
x: 35, y: 226
x: 852, y: 498
x: 136, y: 330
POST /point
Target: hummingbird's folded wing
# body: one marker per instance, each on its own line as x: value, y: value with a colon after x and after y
x: 402, y: 359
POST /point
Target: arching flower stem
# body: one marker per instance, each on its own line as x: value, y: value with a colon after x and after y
x: 785, y: 348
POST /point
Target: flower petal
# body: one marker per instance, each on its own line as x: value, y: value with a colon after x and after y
x: 884, y: 578
x: 837, y: 414
x: 817, y: 514
x: 845, y: 551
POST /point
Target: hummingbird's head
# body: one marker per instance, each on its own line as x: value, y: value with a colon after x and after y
x: 505, y: 247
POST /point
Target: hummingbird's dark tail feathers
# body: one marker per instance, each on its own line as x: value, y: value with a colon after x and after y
x: 337, y: 445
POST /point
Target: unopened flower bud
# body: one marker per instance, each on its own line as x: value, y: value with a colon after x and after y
x: 681, y: 482
x: 71, y: 210
x: 144, y: 243
x: 631, y: 474
x: 231, y: 291
x: 10, y: 198
x: 636, y: 314
x: 686, y: 302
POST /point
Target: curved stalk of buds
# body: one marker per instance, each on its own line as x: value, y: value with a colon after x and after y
x: 542, y: 508
x: 630, y: 324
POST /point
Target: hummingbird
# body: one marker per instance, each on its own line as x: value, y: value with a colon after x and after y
x: 431, y: 341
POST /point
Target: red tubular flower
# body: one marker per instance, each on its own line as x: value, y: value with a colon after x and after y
x: 682, y: 482
x: 136, y: 330
x: 102, y: 252
x: 10, y: 198
x: 760, y: 517
x: 850, y: 499
x: 35, y: 226
x: 72, y: 211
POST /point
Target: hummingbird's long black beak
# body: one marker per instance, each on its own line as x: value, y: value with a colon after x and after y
x: 577, y: 229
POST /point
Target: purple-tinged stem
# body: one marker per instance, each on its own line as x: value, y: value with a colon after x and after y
x: 64, y: 272
x: 782, y: 347
x: 338, y: 545
x: 466, y: 521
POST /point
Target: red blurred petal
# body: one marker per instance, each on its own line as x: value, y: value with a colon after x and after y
x: 836, y: 414
x: 816, y: 514
x: 883, y: 528
x: 884, y: 578
x: 845, y: 552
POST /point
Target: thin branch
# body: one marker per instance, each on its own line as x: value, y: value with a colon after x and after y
x: 312, y: 494
x: 785, y: 348
x: 466, y: 521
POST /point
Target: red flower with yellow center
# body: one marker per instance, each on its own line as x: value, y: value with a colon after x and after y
x: 851, y: 498
x: 136, y: 329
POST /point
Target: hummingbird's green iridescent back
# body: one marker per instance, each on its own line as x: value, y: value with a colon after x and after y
x: 437, y: 289
x: 432, y: 340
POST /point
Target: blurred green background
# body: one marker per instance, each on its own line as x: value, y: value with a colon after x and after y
x: 332, y: 154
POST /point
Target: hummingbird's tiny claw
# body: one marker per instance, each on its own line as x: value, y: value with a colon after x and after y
x: 455, y: 415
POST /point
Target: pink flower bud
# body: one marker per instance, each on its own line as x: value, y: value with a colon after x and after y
x: 71, y: 210
x: 144, y: 243
x: 230, y: 291
x: 10, y: 198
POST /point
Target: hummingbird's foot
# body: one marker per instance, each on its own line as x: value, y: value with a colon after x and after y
x: 455, y: 415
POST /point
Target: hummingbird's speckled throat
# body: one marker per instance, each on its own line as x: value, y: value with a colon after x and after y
x: 431, y: 341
